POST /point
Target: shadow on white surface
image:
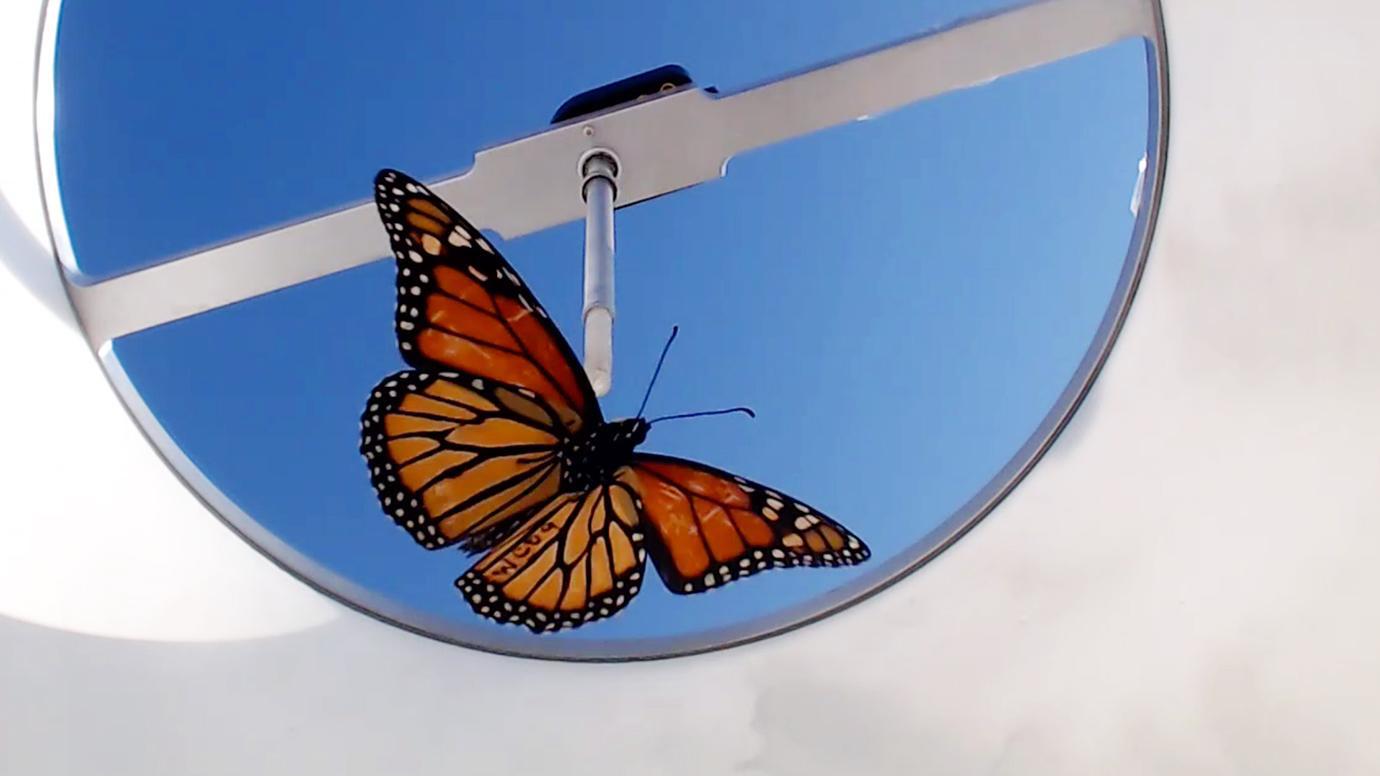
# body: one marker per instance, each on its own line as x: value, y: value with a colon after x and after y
x: 23, y: 240
x: 32, y: 265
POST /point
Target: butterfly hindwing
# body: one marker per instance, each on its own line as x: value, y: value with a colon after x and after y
x: 462, y: 307
x: 454, y: 457
x: 579, y: 558
x: 708, y: 527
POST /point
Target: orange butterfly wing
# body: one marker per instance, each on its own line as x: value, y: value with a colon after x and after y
x: 578, y: 558
x: 455, y: 458
x: 709, y: 527
x: 462, y: 307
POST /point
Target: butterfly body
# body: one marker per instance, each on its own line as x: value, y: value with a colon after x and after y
x: 593, y: 457
x: 494, y: 441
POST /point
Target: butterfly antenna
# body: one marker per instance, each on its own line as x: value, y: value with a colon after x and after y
x: 664, y: 349
x: 745, y: 410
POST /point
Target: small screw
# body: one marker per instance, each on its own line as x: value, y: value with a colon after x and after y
x: 589, y: 131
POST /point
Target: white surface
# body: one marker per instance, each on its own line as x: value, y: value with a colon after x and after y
x: 1184, y: 585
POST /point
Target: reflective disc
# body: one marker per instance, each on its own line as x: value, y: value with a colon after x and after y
x: 913, y: 301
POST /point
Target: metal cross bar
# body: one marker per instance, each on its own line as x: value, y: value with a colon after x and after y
x: 523, y: 186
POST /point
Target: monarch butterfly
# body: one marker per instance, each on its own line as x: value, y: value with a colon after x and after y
x: 495, y: 442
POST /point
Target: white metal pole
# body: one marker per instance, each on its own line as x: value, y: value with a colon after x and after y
x: 600, y: 172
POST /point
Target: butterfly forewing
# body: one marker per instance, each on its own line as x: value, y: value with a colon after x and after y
x: 461, y: 306
x: 709, y: 527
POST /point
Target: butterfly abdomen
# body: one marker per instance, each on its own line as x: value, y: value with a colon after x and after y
x: 591, y: 457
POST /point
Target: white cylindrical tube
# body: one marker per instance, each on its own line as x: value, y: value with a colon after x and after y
x: 599, y: 349
x: 598, y: 310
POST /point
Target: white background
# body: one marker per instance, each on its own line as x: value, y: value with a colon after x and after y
x: 1187, y: 583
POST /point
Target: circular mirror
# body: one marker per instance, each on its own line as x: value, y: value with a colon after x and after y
x: 905, y: 238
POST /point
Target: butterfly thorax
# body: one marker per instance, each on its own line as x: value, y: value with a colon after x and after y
x: 592, y: 456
